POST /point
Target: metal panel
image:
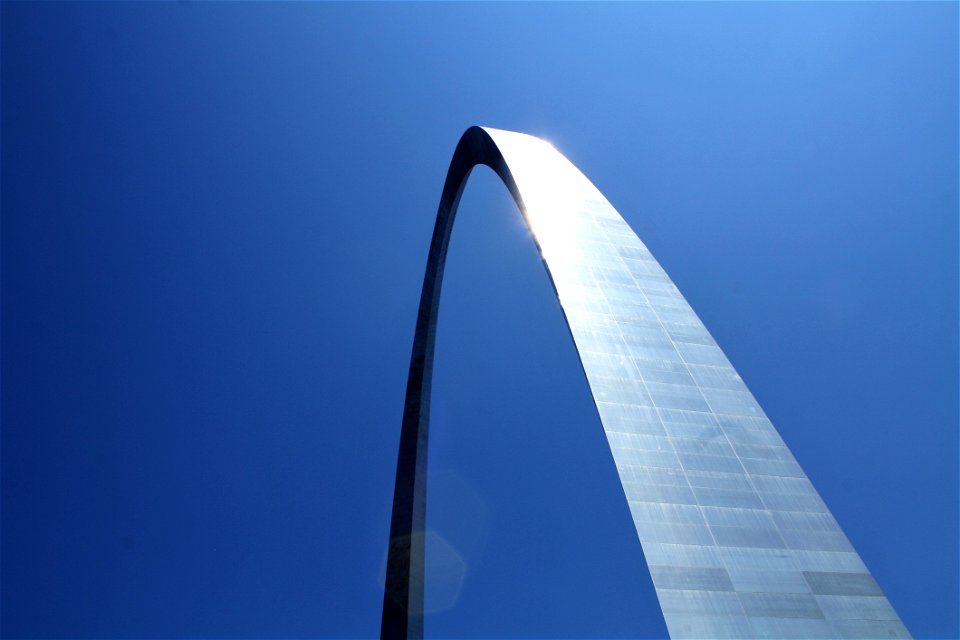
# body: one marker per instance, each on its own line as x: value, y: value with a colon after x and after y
x: 740, y: 544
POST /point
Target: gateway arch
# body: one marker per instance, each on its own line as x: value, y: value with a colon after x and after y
x: 738, y: 542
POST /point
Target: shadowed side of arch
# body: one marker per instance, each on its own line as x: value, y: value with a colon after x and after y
x: 403, y: 593
x: 738, y: 542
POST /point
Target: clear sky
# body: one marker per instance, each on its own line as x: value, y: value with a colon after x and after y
x: 215, y: 220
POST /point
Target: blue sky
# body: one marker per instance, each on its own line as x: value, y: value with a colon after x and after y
x: 215, y: 221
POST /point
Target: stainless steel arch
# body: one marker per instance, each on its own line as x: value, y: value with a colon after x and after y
x: 738, y: 542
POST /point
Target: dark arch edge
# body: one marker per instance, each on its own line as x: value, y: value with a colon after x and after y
x: 403, y: 592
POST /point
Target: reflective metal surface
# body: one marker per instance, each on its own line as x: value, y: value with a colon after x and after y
x: 738, y: 542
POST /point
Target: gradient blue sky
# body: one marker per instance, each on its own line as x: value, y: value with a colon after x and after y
x: 215, y: 221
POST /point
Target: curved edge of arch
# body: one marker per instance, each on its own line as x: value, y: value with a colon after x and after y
x: 403, y: 591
